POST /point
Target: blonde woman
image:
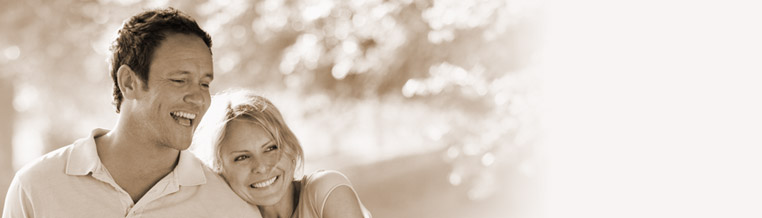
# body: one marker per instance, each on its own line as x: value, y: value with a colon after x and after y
x: 243, y: 138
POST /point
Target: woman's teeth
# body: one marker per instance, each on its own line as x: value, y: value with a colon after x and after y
x: 265, y: 183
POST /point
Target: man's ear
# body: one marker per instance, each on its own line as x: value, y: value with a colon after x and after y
x: 128, y: 81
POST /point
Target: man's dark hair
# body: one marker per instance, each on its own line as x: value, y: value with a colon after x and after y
x: 141, y: 35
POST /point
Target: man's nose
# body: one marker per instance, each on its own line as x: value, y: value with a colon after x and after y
x: 195, y: 97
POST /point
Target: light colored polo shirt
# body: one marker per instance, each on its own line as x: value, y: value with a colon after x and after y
x: 72, y: 182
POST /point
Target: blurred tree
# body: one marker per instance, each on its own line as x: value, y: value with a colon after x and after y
x: 367, y: 77
x: 6, y: 133
x: 356, y: 49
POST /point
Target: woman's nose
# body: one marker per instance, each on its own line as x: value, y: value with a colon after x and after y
x: 259, y: 168
x: 261, y: 165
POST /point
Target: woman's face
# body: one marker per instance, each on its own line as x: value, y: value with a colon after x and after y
x: 255, y: 167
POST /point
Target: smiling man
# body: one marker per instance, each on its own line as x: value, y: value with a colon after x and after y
x: 161, y: 69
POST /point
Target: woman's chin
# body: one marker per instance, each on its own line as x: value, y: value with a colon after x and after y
x: 262, y: 201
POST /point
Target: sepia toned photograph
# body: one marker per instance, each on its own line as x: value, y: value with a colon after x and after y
x: 270, y: 108
x: 380, y: 108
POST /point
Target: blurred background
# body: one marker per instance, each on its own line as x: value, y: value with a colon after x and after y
x: 428, y: 106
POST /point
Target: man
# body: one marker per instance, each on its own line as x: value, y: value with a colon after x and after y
x: 161, y: 68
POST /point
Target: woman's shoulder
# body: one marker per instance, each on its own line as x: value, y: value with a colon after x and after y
x: 325, y: 178
x: 318, y: 185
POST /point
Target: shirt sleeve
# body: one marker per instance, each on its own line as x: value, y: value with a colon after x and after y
x: 17, y: 202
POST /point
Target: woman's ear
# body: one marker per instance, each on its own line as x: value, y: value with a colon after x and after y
x: 128, y: 82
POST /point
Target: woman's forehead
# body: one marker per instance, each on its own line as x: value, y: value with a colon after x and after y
x: 244, y: 133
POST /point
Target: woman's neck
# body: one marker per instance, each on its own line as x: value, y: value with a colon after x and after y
x: 285, y: 207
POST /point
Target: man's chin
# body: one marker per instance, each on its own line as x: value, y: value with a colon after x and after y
x: 184, y: 146
x: 180, y: 144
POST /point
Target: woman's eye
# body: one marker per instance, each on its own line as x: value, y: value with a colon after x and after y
x: 271, y: 148
x: 241, y: 157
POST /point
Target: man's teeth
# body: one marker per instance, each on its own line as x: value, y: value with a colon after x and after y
x: 264, y: 184
x: 189, y: 116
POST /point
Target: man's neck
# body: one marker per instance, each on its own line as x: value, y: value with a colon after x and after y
x: 121, y: 146
x: 135, y: 162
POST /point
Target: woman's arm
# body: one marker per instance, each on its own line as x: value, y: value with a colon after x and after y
x: 342, y: 203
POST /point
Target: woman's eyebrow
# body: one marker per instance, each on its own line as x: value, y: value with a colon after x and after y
x: 266, y: 143
x: 261, y: 146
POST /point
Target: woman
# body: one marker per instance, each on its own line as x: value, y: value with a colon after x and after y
x: 244, y: 138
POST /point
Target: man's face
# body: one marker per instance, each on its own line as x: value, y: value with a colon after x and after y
x: 178, y: 90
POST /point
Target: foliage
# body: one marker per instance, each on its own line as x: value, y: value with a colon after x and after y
x: 370, y: 79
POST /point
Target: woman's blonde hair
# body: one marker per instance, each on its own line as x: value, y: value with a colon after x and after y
x: 246, y: 105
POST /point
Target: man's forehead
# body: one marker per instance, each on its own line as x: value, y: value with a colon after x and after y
x: 183, y: 55
x: 181, y: 46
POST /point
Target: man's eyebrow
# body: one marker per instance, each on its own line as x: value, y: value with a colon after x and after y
x: 182, y: 72
x: 179, y: 73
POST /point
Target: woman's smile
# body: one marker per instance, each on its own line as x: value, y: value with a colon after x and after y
x: 265, y: 183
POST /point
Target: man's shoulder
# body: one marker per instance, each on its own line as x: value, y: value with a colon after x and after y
x: 45, y: 166
x: 215, y: 193
x: 214, y: 180
x: 193, y: 166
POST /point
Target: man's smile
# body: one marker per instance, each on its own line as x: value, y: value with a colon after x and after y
x: 183, y: 118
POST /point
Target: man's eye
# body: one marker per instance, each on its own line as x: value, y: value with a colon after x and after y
x: 271, y: 148
x: 241, y: 157
x: 205, y: 85
x: 178, y: 80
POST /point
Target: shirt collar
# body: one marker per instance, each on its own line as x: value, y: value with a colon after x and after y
x: 83, y: 158
x: 189, y: 170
